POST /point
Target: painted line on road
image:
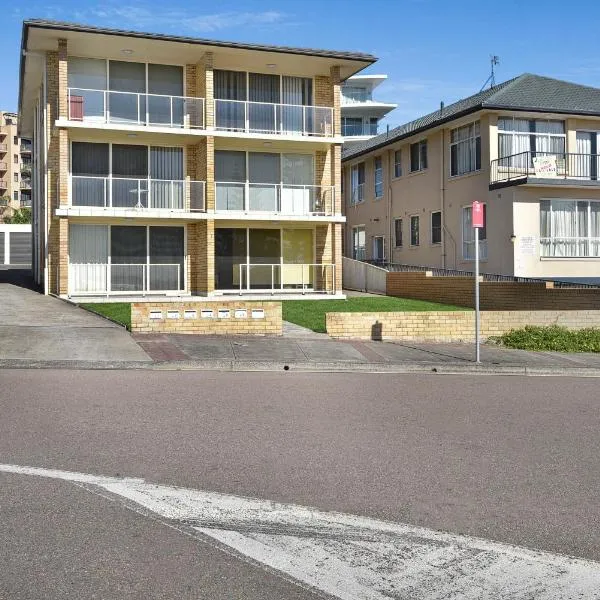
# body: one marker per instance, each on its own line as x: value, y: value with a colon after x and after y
x: 353, y: 557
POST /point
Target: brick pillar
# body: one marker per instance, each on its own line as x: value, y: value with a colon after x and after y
x: 58, y: 248
x: 204, y: 87
x: 338, y: 243
x: 324, y: 255
x: 335, y: 99
x: 201, y: 256
x: 62, y: 79
x: 207, y: 162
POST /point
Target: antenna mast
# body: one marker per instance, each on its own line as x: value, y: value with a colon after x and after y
x: 494, y: 60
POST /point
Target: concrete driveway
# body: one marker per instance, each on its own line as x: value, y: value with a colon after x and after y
x: 38, y: 327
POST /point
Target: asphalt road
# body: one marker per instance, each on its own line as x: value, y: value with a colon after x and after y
x: 508, y: 459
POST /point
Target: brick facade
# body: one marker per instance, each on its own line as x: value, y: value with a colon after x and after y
x: 459, y: 291
x: 449, y: 326
x: 240, y: 320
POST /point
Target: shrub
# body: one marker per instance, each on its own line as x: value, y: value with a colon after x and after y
x: 553, y: 337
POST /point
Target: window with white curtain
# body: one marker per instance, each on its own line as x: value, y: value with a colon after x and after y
x: 358, y: 243
x: 570, y: 228
x: 521, y: 139
x: 468, y: 234
x: 378, y: 163
x: 398, y: 163
x: 357, y: 183
x: 465, y: 149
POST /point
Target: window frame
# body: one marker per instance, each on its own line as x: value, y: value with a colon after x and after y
x: 431, y: 240
x: 398, y: 163
x: 353, y: 187
x: 474, y: 148
x: 378, y: 177
x: 354, y: 230
x: 382, y: 238
x: 422, y: 156
x: 418, y: 231
x: 396, y: 221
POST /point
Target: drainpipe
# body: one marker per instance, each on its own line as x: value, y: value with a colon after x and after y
x: 445, y: 230
x: 389, y: 206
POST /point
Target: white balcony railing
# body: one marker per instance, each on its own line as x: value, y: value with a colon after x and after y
x: 94, y: 278
x: 130, y: 108
x: 141, y: 194
x: 281, y: 119
x: 282, y: 198
x: 276, y: 277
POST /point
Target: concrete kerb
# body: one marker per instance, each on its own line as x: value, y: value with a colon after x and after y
x: 245, y: 366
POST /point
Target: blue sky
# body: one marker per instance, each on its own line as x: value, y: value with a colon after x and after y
x: 432, y: 50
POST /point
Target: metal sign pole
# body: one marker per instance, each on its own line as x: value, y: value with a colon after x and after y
x: 477, y: 351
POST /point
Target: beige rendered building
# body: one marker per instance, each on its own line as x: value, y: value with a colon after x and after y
x: 15, y: 166
x: 177, y: 166
x: 527, y: 148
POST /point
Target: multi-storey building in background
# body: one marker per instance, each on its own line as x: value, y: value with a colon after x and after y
x: 15, y: 166
x: 361, y: 113
x: 169, y: 165
x: 528, y: 148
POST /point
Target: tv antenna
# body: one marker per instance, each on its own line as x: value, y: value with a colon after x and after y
x: 494, y: 60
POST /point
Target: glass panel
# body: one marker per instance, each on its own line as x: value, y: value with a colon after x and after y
x: 264, y: 176
x: 230, y: 252
x: 265, y: 249
x: 85, y: 74
x: 230, y: 177
x: 89, y: 167
x: 166, y: 165
x: 127, y: 77
x: 297, y: 172
x: 230, y: 85
x: 297, y: 255
x: 88, y: 258
x: 166, y: 107
x: 128, y: 258
x: 166, y: 270
x: 129, y: 161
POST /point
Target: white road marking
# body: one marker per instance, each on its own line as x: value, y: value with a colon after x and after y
x: 353, y: 557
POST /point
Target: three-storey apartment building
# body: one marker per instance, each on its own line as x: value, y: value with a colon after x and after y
x: 179, y: 166
x: 527, y: 148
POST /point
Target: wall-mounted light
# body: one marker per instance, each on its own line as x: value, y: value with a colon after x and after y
x: 271, y: 65
x: 127, y: 51
x: 513, y: 238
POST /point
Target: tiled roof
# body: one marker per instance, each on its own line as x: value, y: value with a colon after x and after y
x: 65, y: 26
x: 525, y: 92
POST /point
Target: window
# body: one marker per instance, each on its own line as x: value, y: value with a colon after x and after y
x: 436, y: 227
x: 16, y: 159
x: 358, y: 243
x: 465, y: 149
x: 520, y: 139
x: 16, y: 140
x: 398, y: 163
x: 414, y: 231
x: 570, y: 228
x: 352, y: 126
x: 16, y: 196
x: 16, y: 177
x: 468, y: 232
x: 357, y: 180
x: 398, y: 232
x: 378, y: 177
x: 418, y: 156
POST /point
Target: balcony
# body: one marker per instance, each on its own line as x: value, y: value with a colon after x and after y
x: 275, y: 198
x: 352, y: 130
x: 25, y: 184
x: 3, y: 167
x: 3, y: 148
x: 277, y: 119
x: 122, y: 194
x: 3, y: 184
x: 355, y: 96
x: 25, y: 148
x: 281, y: 277
x: 25, y: 201
x: 25, y: 167
x: 138, y: 109
x: 546, y: 168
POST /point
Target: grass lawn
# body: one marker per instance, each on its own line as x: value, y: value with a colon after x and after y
x: 311, y: 313
x: 119, y: 312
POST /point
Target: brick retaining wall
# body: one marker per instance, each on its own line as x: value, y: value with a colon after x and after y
x: 207, y: 317
x: 449, y: 326
x: 494, y: 295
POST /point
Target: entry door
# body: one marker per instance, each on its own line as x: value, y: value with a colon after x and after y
x: 586, y: 159
x: 378, y: 248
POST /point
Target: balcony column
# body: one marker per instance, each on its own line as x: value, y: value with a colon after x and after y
x: 336, y: 99
x: 205, y: 88
x: 201, y: 256
x: 324, y: 247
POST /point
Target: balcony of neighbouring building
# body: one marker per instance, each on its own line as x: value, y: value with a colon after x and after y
x: 3, y: 148
x: 25, y: 147
x: 3, y: 167
x: 545, y: 168
x: 3, y: 184
x: 25, y: 184
x: 274, y: 198
x: 115, y: 195
x: 359, y: 129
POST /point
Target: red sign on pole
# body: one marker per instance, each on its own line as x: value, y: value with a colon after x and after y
x: 477, y: 213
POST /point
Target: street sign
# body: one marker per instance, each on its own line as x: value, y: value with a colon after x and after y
x: 478, y: 215
x: 477, y: 221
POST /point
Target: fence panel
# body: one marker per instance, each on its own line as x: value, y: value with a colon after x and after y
x: 363, y: 277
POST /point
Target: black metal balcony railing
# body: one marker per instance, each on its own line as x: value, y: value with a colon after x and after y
x: 545, y: 165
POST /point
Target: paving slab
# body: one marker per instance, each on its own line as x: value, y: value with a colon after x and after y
x: 204, y: 348
x: 395, y: 353
x: 267, y: 349
x: 324, y: 350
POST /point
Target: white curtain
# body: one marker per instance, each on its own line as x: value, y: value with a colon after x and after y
x: 296, y: 94
x: 582, y: 164
x: 564, y: 228
x: 88, y: 258
x: 594, y: 228
x: 514, y: 141
x: 297, y: 171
